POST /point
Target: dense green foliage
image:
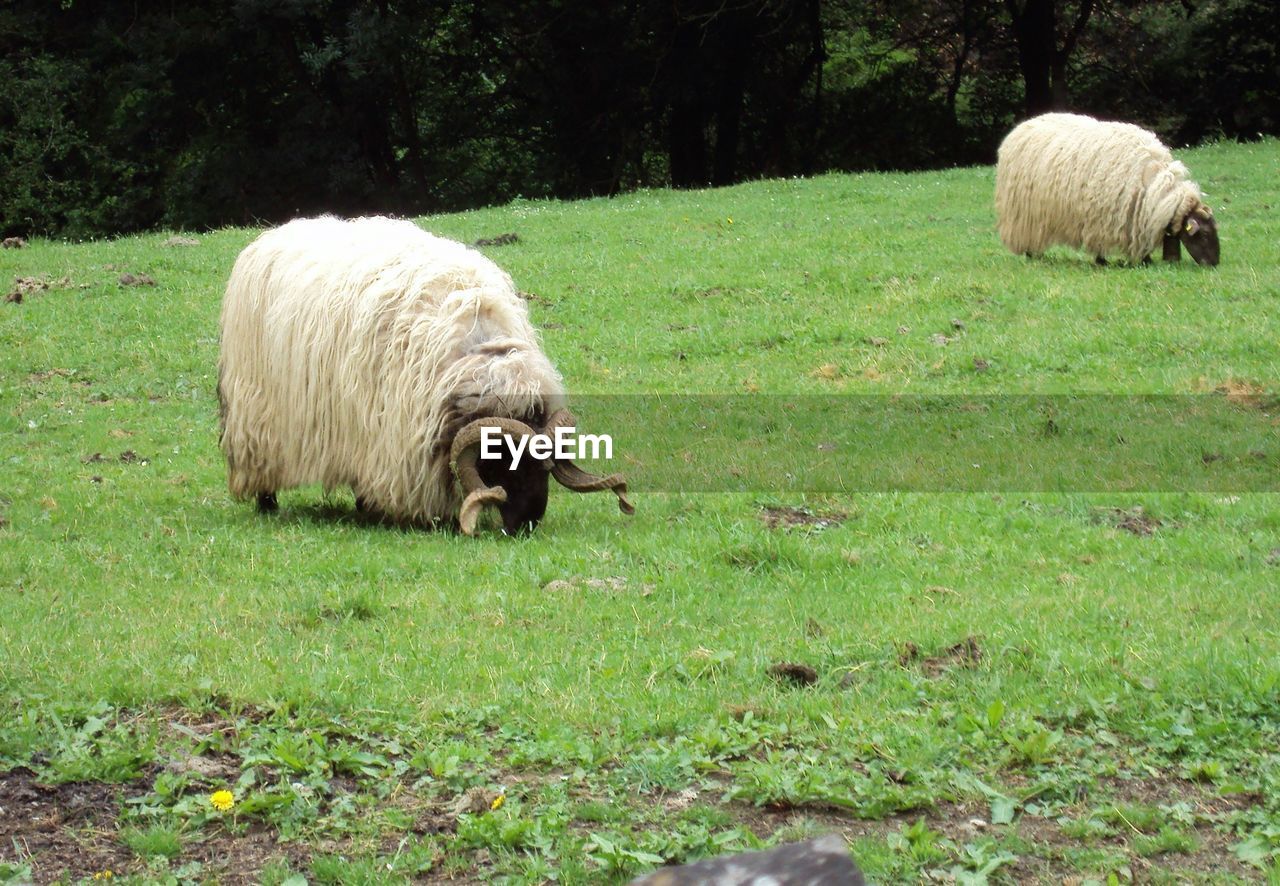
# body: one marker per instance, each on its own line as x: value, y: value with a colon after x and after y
x: 120, y: 117
x: 1096, y: 677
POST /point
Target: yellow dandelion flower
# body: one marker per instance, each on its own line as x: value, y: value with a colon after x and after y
x: 497, y: 802
x: 222, y: 800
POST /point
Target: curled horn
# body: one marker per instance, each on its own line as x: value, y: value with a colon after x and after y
x: 571, y: 476
x: 463, y: 456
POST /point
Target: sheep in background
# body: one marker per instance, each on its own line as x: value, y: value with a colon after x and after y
x: 1101, y: 187
x: 369, y: 353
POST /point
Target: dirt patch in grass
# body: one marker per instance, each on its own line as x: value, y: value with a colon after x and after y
x: 793, y: 673
x: 1134, y: 520
x: 63, y: 829
x: 1212, y: 858
x: 787, y: 517
x: 965, y: 654
x: 44, y: 375
x: 70, y: 832
x: 1242, y: 392
x: 614, y: 584
x: 24, y: 287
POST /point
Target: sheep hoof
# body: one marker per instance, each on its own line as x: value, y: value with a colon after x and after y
x: 267, y: 503
x: 1100, y: 262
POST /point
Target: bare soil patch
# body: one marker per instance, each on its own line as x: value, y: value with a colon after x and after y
x: 1242, y: 392
x: 71, y: 832
x: 61, y: 829
x: 24, y: 287
x: 794, y: 673
x: 613, y: 584
x: 965, y: 654
x: 1134, y: 520
x: 787, y: 517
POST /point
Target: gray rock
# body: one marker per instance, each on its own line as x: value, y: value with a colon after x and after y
x: 821, y: 862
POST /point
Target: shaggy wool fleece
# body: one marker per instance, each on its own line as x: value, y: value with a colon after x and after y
x: 1106, y: 188
x: 353, y: 350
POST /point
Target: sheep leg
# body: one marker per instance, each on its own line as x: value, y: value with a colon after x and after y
x: 1100, y: 261
x: 267, y: 503
x: 361, y: 505
x: 1172, y: 248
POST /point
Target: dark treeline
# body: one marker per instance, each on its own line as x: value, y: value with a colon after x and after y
x: 121, y: 116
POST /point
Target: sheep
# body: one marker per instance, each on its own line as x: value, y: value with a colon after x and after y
x: 1101, y: 187
x: 371, y: 354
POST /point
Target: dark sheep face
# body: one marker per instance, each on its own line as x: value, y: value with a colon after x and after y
x: 526, y: 488
x: 1199, y: 233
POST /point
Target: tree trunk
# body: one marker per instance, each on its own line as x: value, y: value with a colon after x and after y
x: 736, y: 39
x: 1033, y: 27
x: 687, y: 116
x: 687, y: 146
x: 1043, y: 63
x: 1058, y: 84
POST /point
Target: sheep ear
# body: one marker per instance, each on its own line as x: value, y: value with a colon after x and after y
x: 1191, y: 227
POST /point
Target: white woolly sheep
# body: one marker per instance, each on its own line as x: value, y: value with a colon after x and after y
x: 1102, y: 187
x: 370, y: 354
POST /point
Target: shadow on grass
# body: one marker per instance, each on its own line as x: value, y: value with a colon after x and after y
x: 346, y: 515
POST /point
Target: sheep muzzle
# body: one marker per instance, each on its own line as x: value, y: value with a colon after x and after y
x: 1199, y: 233
x: 464, y: 455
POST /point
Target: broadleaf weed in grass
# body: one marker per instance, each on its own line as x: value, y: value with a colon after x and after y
x: 1034, y: 747
x: 509, y: 829
x: 97, y: 749
x: 979, y: 861
x: 791, y: 778
x: 455, y: 764
x: 656, y: 769
x: 618, y: 853
x: 681, y: 841
x: 1261, y: 849
x: 1204, y: 770
x: 15, y: 872
x: 920, y: 842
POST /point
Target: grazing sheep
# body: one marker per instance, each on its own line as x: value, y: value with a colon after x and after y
x: 1101, y: 187
x: 369, y: 353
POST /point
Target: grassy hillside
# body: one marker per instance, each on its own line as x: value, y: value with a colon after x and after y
x: 1096, y: 678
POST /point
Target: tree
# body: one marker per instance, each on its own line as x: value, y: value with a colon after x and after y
x: 732, y: 77
x: 1042, y: 56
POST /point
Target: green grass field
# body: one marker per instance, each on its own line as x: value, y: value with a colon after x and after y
x: 1005, y: 687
